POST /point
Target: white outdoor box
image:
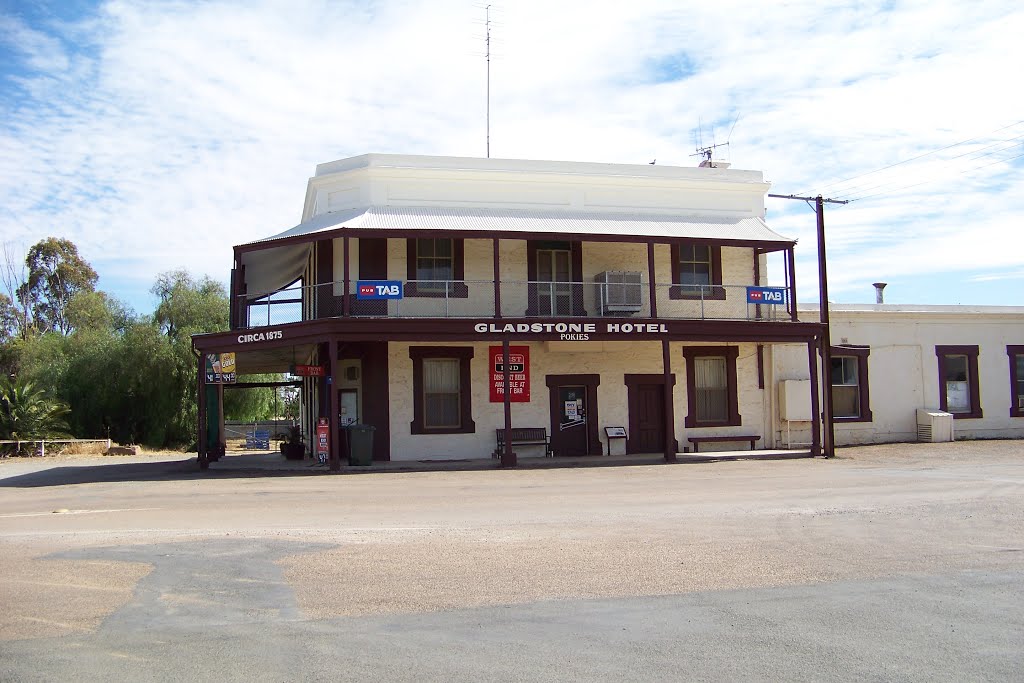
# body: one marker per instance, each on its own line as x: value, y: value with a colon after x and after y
x: 795, y: 400
x: 934, y: 425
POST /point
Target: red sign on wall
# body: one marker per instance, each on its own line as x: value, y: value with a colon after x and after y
x: 308, y: 370
x: 518, y: 374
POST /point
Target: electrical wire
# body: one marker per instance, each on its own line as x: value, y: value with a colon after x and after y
x: 920, y: 156
x: 924, y: 182
x: 864, y: 189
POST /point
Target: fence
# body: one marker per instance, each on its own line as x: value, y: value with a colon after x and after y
x: 41, y: 451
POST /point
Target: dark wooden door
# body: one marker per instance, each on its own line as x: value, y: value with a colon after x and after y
x: 569, y: 432
x: 649, y: 436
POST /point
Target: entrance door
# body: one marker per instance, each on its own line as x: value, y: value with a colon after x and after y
x: 570, y: 435
x: 649, y: 434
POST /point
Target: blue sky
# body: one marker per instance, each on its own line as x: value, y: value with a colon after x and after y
x: 156, y: 135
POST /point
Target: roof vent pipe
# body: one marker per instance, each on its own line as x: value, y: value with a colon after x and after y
x: 879, y: 297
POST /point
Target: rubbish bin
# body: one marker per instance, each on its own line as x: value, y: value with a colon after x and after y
x: 360, y: 444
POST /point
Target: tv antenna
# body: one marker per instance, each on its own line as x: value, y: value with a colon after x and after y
x: 707, y: 150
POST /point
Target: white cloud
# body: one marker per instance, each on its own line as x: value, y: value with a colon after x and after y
x: 158, y: 135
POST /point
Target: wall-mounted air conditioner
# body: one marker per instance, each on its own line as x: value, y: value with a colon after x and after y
x: 620, y: 291
x: 934, y: 425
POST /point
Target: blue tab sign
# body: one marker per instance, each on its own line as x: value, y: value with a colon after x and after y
x: 775, y: 296
x: 378, y: 289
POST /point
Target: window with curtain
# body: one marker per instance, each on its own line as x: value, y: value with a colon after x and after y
x: 712, y: 385
x: 441, y: 399
x: 845, y: 387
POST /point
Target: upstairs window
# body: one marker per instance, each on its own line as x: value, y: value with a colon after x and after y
x: 435, y: 260
x: 696, y: 269
x: 435, y: 267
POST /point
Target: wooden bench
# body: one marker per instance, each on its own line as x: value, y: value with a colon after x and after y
x: 697, y: 440
x: 524, y: 436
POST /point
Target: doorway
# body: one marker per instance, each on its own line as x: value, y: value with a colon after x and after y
x: 574, y: 415
x: 647, y: 412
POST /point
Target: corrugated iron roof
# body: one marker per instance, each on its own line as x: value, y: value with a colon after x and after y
x: 526, y: 221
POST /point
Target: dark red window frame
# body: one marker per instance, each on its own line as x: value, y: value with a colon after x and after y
x: 678, y: 291
x: 971, y: 351
x: 1014, y: 350
x: 464, y: 354
x: 458, y: 288
x: 731, y: 353
x: 861, y: 354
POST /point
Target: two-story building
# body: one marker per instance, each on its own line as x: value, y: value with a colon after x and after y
x: 416, y: 290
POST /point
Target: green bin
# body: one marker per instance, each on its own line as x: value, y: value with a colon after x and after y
x: 360, y: 444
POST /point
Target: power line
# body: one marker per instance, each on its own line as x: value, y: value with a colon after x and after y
x: 866, y: 188
x: 921, y: 156
x: 925, y: 182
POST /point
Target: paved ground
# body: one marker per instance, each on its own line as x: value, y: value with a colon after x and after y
x: 889, y: 563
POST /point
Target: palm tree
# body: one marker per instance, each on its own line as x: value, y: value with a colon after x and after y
x: 27, y: 413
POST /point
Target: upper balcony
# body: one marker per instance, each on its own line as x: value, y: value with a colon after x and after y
x: 623, y: 297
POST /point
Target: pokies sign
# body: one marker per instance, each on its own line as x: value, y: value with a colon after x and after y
x: 518, y: 374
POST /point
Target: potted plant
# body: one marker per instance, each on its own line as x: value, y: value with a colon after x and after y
x: 294, y: 446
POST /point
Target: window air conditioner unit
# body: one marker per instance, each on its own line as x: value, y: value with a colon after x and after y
x: 934, y: 425
x: 621, y: 291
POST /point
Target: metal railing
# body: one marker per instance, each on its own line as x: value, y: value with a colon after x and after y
x: 518, y: 299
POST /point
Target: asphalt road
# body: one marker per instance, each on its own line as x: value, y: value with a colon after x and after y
x: 889, y: 563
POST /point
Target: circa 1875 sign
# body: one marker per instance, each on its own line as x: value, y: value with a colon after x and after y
x: 518, y: 374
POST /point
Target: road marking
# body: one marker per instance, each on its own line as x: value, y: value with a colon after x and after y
x: 63, y: 511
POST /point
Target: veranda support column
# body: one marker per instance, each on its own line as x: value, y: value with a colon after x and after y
x: 508, y: 458
x: 346, y: 305
x: 497, y: 277
x: 791, y: 267
x: 650, y: 274
x: 332, y: 387
x: 201, y: 400
x: 812, y: 361
x: 670, y: 420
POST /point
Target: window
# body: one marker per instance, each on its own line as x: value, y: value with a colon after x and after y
x: 554, y: 291
x: 1016, y: 354
x: 434, y: 260
x: 959, y: 392
x: 435, y: 267
x: 554, y: 270
x: 696, y: 268
x: 441, y: 393
x: 441, y: 390
x: 711, y: 394
x: 849, y: 380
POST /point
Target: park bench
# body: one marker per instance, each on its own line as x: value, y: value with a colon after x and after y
x: 524, y: 436
x: 697, y: 440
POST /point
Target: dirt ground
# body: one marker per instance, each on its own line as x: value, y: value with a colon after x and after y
x: 415, y: 542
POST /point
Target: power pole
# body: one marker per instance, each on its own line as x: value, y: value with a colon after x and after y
x: 828, y: 434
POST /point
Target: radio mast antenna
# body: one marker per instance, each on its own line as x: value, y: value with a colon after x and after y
x: 487, y: 11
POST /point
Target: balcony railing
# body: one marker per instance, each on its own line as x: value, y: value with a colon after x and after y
x: 518, y: 299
